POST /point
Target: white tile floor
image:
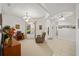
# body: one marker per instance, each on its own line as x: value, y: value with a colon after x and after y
x: 48, y: 48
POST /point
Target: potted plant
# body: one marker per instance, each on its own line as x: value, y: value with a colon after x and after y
x: 9, y: 33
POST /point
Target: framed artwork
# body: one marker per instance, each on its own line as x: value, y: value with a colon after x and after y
x: 17, y: 26
x: 66, y: 26
x: 28, y: 29
x: 40, y: 27
x: 48, y: 31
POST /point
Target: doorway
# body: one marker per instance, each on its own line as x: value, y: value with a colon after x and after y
x: 30, y: 30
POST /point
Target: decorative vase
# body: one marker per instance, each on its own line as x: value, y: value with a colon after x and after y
x: 10, y: 42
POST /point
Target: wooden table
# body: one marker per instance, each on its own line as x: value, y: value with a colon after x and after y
x: 14, y: 50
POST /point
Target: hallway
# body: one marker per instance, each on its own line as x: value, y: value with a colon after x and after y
x: 53, y: 25
x: 48, y: 48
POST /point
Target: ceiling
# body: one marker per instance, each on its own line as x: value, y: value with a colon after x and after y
x: 37, y: 10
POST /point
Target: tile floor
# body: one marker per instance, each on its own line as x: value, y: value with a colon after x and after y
x: 48, y: 48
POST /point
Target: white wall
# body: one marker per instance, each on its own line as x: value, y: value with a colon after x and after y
x: 68, y: 33
x: 45, y: 24
x: 65, y: 33
x: 40, y: 22
x: 48, y: 23
x: 77, y: 30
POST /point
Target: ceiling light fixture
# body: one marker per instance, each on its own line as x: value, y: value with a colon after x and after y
x: 61, y: 18
x: 26, y: 17
x: 26, y: 20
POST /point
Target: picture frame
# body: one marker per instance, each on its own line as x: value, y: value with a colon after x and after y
x: 17, y: 26
x: 28, y: 29
x: 40, y: 27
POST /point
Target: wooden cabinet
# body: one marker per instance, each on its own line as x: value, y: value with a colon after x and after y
x: 14, y: 50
